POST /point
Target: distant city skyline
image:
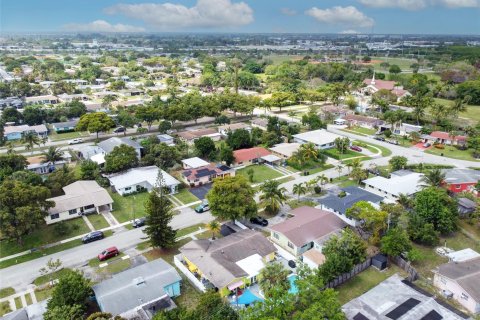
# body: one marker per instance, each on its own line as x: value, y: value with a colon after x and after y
x: 259, y: 16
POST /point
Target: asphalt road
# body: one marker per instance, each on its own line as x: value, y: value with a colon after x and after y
x: 20, y: 276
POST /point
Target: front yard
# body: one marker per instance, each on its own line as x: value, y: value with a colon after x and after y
x: 185, y: 196
x: 98, y: 221
x: 361, y: 130
x: 335, y: 154
x: 452, y: 152
x: 67, y: 135
x: 124, y: 207
x: 261, y: 173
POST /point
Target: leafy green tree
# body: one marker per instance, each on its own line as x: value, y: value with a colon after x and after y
x: 312, y: 120
x: 205, y: 148
x: 72, y: 289
x: 148, y: 113
x: 434, y: 178
x: 373, y: 220
x: 10, y: 163
x: 23, y: 208
x: 222, y: 119
x: 52, y: 155
x: 65, y: 312
x: 422, y: 232
x: 239, y: 139
x: 342, y: 144
x: 28, y: 177
x: 12, y: 115
x: 164, y: 126
x: 272, y: 196
x: 34, y: 115
x: 434, y: 206
x: 95, y: 122
x: 30, y: 139
x: 398, y: 162
x: 469, y: 89
x: 89, y: 170
x: 394, y: 69
x: 59, y: 179
x: 159, y: 214
x: 232, y: 198
x: 162, y: 155
x: 126, y: 120
x: 225, y: 153
x: 395, y: 242
x: 273, y: 277
x: 121, y: 158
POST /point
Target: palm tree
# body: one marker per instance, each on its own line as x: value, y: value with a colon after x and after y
x: 236, y: 63
x: 309, y: 151
x: 272, y: 196
x: 292, y: 114
x: 458, y: 106
x: 434, y: 178
x: 414, y: 136
x: 30, y: 139
x: 273, y: 277
x: 52, y: 155
x: 44, y: 140
x: 405, y: 201
x: 299, y: 189
x: 356, y: 164
x: 339, y: 169
x: 215, y: 227
x: 322, y: 179
x: 349, y: 166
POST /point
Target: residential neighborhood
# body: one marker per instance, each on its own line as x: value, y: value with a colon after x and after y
x: 216, y: 160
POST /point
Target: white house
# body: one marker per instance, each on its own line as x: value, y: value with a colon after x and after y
x: 108, y: 145
x: 194, y: 163
x: 400, y: 182
x: 81, y: 197
x: 321, y: 138
x: 137, y: 179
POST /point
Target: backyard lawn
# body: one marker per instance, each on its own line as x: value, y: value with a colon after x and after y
x: 98, y: 221
x: 190, y: 295
x: 185, y: 196
x: 44, y: 234
x: 363, y: 282
x: 452, y: 152
x: 124, y: 206
x: 261, y: 173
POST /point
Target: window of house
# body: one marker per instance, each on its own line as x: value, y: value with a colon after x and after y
x: 464, y: 296
x: 128, y: 188
x: 290, y: 245
x: 54, y: 216
x: 73, y: 211
x: 458, y: 186
x: 276, y: 236
x: 91, y: 206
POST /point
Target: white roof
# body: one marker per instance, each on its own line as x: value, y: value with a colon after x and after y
x: 286, y: 149
x: 252, y: 265
x: 138, y: 175
x: 318, y: 137
x: 195, y: 162
x: 271, y: 158
x: 99, y: 158
x: 463, y: 255
x: 401, y: 182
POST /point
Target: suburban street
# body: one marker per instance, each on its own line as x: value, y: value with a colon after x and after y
x: 20, y: 276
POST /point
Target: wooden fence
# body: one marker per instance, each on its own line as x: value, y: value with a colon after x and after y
x: 405, y: 265
x: 347, y: 276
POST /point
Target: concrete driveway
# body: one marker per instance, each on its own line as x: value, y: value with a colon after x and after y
x: 201, y: 191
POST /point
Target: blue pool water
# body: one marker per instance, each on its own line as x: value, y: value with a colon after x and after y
x: 293, y: 288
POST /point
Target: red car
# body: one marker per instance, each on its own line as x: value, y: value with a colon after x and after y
x: 108, y: 253
x: 356, y: 148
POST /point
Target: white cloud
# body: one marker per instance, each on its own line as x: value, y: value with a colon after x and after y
x: 420, y: 4
x: 349, y: 31
x: 102, y: 26
x: 288, y: 11
x: 204, y: 14
x: 349, y: 16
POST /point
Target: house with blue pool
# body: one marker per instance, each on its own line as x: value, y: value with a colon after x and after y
x: 140, y: 292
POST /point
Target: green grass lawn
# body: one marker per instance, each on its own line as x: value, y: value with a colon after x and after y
x: 472, y: 114
x: 362, y: 130
x: 207, y: 234
x: 261, y: 173
x: 67, y: 135
x: 165, y: 254
x: 300, y: 203
x: 18, y: 303
x: 98, y: 221
x: 403, y: 63
x: 185, y: 196
x: 117, y: 266
x: 43, y: 294
x: 190, y: 295
x: 385, y: 151
x: 52, y: 276
x: 335, y: 154
x: 28, y: 299
x: 44, y: 234
x: 452, y: 152
x: 123, y: 207
x: 363, y: 282
x: 4, y: 308
x: 187, y: 230
x: 344, y: 181
x: 5, y: 292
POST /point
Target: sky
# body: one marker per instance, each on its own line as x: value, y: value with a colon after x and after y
x: 260, y: 16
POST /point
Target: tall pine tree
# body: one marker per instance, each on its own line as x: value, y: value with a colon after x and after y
x: 159, y: 214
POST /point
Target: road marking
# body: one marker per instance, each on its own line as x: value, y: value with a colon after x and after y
x: 103, y: 265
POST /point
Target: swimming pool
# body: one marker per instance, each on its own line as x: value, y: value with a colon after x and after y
x: 293, y: 288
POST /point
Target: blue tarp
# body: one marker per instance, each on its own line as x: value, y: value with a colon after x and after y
x: 247, y: 298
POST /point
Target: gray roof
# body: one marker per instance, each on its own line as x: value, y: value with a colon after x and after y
x: 390, y: 294
x: 32, y: 312
x: 466, y: 273
x: 65, y: 124
x: 217, y: 260
x: 354, y: 195
x: 109, y: 144
x: 461, y: 175
x: 466, y: 203
x: 400, y: 182
x: 134, y: 287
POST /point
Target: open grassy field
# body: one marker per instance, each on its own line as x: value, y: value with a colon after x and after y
x: 472, y: 115
x: 124, y: 207
x: 279, y: 58
x: 44, y: 234
x: 403, y: 63
x: 260, y: 173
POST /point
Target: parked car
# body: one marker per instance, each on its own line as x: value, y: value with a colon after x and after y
x: 356, y: 148
x: 427, y: 145
x: 140, y: 222
x: 202, y: 207
x: 93, y: 236
x: 379, y: 138
x: 108, y: 253
x: 75, y: 141
x: 119, y: 129
x: 259, y: 220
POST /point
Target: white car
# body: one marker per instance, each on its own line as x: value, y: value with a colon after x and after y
x: 75, y: 141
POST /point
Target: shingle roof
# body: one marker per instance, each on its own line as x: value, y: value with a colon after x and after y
x: 461, y: 175
x: 210, y: 170
x: 250, y: 154
x: 133, y: 287
x: 466, y: 273
x: 109, y: 144
x: 309, y: 224
x: 354, y: 195
x: 217, y: 259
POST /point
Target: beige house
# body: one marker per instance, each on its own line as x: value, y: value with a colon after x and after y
x: 461, y: 281
x: 81, y: 198
x: 309, y: 228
